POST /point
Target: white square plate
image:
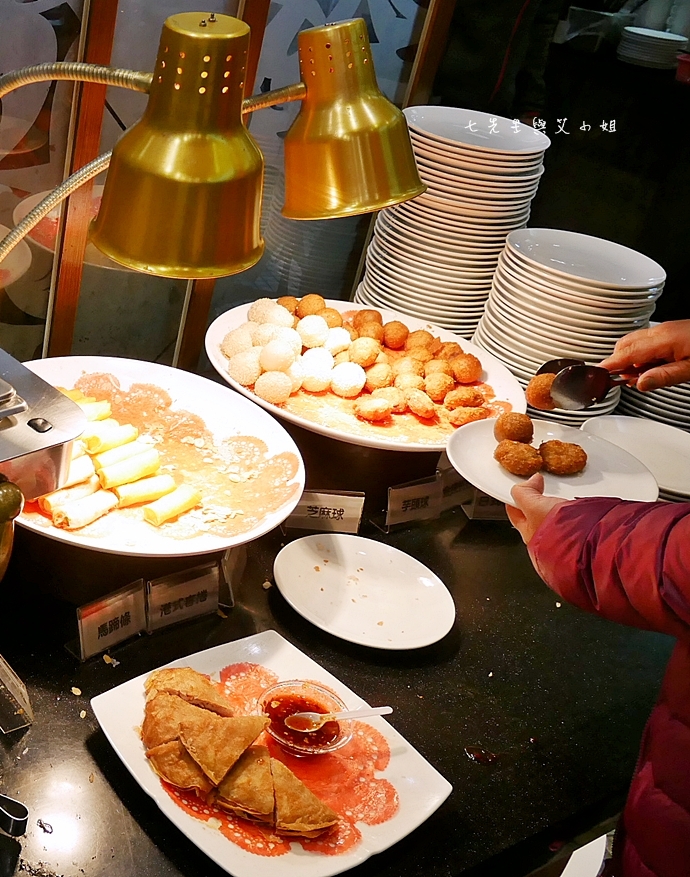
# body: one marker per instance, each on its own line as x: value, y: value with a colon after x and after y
x: 421, y: 789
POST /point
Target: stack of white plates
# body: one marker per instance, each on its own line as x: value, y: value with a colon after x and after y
x: 664, y: 450
x: 650, y: 48
x: 562, y: 294
x: 434, y: 257
x: 669, y: 405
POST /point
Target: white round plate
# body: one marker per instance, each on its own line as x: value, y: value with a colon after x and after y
x: 664, y: 450
x: 610, y: 471
x: 364, y: 592
x: 16, y: 263
x: 504, y: 385
x: 225, y: 414
x: 452, y: 125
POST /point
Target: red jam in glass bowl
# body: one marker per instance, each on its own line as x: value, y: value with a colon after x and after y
x: 295, y: 696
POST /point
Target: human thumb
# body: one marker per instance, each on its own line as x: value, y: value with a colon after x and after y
x: 528, y: 494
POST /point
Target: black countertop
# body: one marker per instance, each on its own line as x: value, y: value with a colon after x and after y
x: 560, y: 696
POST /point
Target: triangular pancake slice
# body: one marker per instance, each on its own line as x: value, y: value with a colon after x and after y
x: 189, y: 685
x: 298, y: 810
x: 215, y: 743
x: 247, y: 790
x: 172, y: 762
x: 162, y: 718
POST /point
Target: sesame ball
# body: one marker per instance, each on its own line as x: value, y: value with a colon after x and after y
x: 347, y: 379
x: 364, y: 351
x: 264, y: 333
x: 332, y: 317
x: 310, y: 304
x: 277, y: 356
x: 251, y: 327
x: 236, y: 341
x: 337, y: 340
x: 258, y: 310
x: 244, y: 367
x: 274, y: 387
x: 289, y: 302
x: 291, y: 337
x: 277, y: 315
x: 296, y: 375
x: 317, y: 364
x: 313, y: 330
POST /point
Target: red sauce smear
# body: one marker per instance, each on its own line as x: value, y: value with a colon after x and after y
x: 345, y: 779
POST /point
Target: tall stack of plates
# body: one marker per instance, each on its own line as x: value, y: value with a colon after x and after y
x: 650, y: 48
x: 433, y: 257
x: 670, y: 405
x: 562, y: 294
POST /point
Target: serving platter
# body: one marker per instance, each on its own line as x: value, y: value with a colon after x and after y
x: 344, y: 426
x: 420, y: 788
x: 202, y: 407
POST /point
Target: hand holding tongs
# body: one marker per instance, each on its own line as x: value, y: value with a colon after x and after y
x: 578, y: 385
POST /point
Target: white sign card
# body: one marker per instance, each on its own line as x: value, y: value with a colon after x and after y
x: 328, y: 510
x: 181, y: 596
x: 104, y: 623
x: 417, y: 501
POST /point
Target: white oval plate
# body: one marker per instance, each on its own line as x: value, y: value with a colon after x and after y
x: 504, y: 385
x: 452, y: 125
x: 610, y: 471
x: 225, y: 414
x: 364, y: 592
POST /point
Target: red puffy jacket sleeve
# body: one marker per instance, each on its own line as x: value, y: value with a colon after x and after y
x: 626, y: 561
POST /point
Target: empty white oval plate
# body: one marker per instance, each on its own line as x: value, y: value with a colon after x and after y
x: 364, y: 591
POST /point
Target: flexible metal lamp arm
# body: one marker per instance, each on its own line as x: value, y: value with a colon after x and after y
x: 76, y: 72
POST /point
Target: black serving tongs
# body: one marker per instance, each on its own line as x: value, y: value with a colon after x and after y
x: 13, y: 816
x: 578, y: 385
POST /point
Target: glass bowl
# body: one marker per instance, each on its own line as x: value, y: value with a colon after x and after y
x: 295, y: 696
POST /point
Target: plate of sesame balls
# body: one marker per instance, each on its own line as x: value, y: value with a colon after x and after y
x: 376, y: 378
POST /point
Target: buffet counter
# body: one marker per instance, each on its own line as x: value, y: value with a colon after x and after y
x: 559, y: 697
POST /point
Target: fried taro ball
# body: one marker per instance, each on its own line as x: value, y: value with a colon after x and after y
x: 562, y: 458
x: 538, y: 392
x: 518, y: 458
x: 466, y: 368
x: 310, y: 304
x: 366, y: 315
x: 461, y: 416
x: 514, y: 426
x: 464, y: 397
x: 372, y: 408
x: 395, y: 334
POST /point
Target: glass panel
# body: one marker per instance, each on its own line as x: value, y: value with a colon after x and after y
x: 33, y: 138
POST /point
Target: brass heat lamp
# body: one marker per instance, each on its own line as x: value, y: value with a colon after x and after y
x: 182, y: 197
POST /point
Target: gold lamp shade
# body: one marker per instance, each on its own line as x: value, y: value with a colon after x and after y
x: 183, y: 193
x: 348, y: 151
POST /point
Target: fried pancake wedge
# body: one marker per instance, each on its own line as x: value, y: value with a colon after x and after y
x: 164, y: 713
x: 216, y: 742
x: 297, y: 810
x: 172, y: 762
x: 190, y: 685
x: 247, y: 790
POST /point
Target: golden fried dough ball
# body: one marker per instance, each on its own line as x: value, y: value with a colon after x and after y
x: 379, y: 375
x: 366, y: 315
x: 437, y: 366
x: 420, y: 404
x: 438, y: 386
x: 343, y: 356
x: 408, y: 381
x: 383, y: 357
x: 371, y: 329
x: 562, y: 458
x: 518, y: 458
x: 289, y: 302
x: 407, y: 366
x: 538, y: 392
x: 464, y: 397
x: 435, y: 346
x: 461, y: 416
x: 395, y: 334
x: 354, y: 334
x: 514, y: 426
x: 448, y: 350
x: 332, y: 317
x: 395, y: 396
x: 422, y: 354
x: 372, y: 408
x: 310, y: 304
x: 466, y: 368
x: 419, y: 338
x: 364, y: 351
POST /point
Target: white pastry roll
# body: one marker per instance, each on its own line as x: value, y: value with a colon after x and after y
x: 78, y: 449
x: 57, y: 498
x: 172, y: 505
x: 99, y: 410
x: 131, y: 469
x: 79, y: 470
x: 83, y: 511
x: 121, y: 452
x: 112, y: 437
x: 144, y: 490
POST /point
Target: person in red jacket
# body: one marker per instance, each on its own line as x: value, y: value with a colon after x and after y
x: 630, y: 562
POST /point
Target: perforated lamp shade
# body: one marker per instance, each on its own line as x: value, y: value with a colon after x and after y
x: 182, y: 196
x: 348, y: 151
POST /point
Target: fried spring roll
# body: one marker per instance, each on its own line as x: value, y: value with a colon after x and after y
x: 79, y: 470
x: 171, y: 505
x: 111, y: 437
x: 52, y: 501
x: 95, y: 410
x: 144, y: 490
x: 132, y: 469
x: 78, y: 449
x: 121, y: 452
x: 83, y: 511
x: 98, y: 427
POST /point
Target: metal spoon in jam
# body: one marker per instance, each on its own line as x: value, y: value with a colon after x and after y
x: 309, y: 722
